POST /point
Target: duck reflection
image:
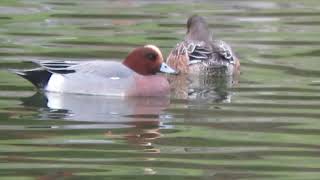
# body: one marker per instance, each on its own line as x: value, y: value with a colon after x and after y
x: 206, y: 88
x: 95, y: 108
x: 139, y: 116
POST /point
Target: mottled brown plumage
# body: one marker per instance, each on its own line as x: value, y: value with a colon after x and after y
x: 200, y: 53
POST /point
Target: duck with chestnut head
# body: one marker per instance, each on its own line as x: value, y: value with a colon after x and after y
x: 135, y: 76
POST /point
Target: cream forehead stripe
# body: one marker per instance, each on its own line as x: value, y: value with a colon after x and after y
x: 154, y: 48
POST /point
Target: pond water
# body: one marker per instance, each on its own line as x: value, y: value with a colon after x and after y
x: 265, y: 127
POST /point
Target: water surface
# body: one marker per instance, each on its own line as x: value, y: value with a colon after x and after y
x: 265, y: 127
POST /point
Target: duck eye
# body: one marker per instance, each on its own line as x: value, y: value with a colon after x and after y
x: 151, y: 56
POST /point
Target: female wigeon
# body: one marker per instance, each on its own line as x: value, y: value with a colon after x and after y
x: 135, y: 76
x: 200, y: 53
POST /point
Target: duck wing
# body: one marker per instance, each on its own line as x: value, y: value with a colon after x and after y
x: 105, y: 69
x: 211, y: 53
x: 198, y: 52
x: 224, y: 50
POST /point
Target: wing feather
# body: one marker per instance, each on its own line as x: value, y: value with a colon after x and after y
x: 59, y: 67
x: 225, y: 51
x: 93, y: 68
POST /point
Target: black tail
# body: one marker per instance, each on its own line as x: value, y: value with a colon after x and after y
x: 38, y: 77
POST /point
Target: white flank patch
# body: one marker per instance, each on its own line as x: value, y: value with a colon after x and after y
x: 114, y: 78
x: 55, y: 83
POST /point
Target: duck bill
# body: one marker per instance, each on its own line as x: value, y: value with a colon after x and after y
x: 167, y: 69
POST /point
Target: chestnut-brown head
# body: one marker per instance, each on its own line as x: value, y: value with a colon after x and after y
x: 147, y: 60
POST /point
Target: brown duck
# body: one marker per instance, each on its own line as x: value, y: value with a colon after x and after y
x: 201, y: 53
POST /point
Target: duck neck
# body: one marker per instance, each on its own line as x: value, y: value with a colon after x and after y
x: 199, y: 32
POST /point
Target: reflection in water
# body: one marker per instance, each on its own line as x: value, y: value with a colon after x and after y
x: 270, y: 130
x: 95, y: 108
x: 202, y: 88
x: 144, y: 133
x: 140, y: 114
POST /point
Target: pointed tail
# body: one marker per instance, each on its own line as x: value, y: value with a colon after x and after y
x: 39, y: 77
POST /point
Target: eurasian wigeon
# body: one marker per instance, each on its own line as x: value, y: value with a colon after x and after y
x: 201, y: 53
x: 135, y: 76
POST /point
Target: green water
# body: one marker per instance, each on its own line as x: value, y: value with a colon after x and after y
x: 265, y: 127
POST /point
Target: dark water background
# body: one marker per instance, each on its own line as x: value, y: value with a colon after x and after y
x: 265, y: 127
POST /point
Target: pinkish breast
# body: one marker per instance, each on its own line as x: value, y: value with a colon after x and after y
x: 154, y: 85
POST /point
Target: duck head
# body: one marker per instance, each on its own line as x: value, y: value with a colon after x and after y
x: 147, y: 60
x: 198, y: 29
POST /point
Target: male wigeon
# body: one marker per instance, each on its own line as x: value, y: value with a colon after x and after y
x: 201, y: 53
x: 135, y: 76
